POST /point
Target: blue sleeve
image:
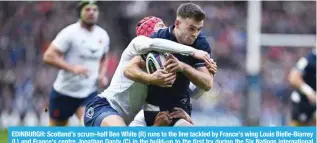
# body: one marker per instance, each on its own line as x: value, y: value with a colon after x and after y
x: 205, y: 46
x: 311, y: 57
x: 304, y: 62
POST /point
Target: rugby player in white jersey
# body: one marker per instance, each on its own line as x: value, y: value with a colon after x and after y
x: 124, y: 98
x: 79, y: 52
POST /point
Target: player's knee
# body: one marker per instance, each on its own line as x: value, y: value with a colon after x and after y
x: 80, y: 112
x: 182, y: 122
x: 53, y: 122
x: 112, y: 120
x: 297, y: 123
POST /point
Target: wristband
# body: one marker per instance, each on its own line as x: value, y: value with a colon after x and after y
x: 306, y: 89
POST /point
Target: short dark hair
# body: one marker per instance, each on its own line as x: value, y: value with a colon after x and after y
x: 190, y: 10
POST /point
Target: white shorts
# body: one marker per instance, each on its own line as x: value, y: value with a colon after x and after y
x: 138, y: 120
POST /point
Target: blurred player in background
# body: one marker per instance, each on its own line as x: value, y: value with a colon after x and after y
x: 79, y: 52
x: 303, y: 79
x: 189, y: 22
x: 124, y: 98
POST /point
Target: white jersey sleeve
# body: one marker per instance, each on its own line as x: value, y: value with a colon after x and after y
x: 142, y: 45
x: 62, y: 40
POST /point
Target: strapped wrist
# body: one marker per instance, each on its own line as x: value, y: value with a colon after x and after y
x: 306, y: 89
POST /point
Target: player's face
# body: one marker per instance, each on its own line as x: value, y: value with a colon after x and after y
x: 90, y: 14
x: 188, y: 30
x: 158, y: 26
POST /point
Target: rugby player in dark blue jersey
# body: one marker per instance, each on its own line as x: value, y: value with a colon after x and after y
x: 186, y: 30
x: 303, y: 79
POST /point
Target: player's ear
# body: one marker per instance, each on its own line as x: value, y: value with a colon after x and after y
x: 177, y: 23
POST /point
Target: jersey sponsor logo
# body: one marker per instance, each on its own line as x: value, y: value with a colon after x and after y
x: 90, y: 112
x: 93, y: 50
x: 90, y: 57
x: 183, y: 101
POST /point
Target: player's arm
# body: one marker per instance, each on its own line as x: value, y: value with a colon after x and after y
x: 133, y: 71
x: 296, y: 80
x: 142, y: 45
x: 199, y: 76
x: 54, y: 55
x: 103, y: 65
x: 103, y: 80
x: 203, y: 74
x: 196, y: 92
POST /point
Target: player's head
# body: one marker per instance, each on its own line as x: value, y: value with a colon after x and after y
x: 188, y: 23
x: 88, y: 12
x: 148, y: 25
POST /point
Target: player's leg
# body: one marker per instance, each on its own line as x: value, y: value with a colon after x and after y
x: 61, y: 107
x: 138, y: 120
x: 300, y: 116
x: 112, y: 120
x: 312, y: 118
x: 54, y: 122
x: 99, y: 112
x: 313, y: 123
x: 81, y: 110
x: 80, y: 114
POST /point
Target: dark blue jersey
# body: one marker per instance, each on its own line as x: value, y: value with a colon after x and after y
x: 307, y: 66
x: 177, y: 95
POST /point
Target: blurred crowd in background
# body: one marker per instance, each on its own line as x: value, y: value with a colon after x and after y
x: 27, y: 28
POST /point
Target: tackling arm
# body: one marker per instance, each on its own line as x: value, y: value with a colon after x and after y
x: 134, y: 72
x: 144, y: 45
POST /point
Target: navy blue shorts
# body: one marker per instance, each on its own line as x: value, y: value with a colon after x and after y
x: 62, y: 107
x: 96, y: 110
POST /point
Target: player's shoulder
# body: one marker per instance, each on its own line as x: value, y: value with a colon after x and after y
x: 71, y: 27
x: 67, y: 31
x: 101, y: 30
x: 161, y: 33
x: 311, y: 56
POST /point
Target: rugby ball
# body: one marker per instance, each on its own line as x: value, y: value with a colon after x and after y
x: 155, y: 61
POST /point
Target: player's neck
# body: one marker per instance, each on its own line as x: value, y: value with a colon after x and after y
x: 86, y: 26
